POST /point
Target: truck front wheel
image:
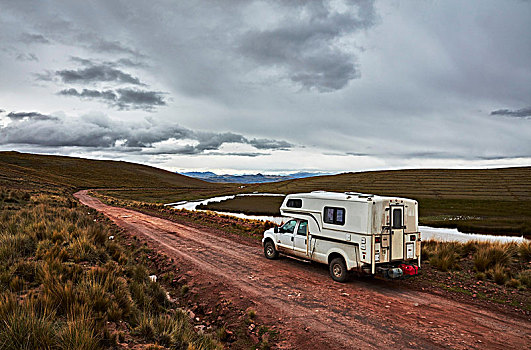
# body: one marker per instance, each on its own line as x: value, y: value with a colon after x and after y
x: 270, y: 251
x: 338, y: 270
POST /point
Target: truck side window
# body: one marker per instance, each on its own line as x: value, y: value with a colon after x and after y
x: 288, y: 227
x: 334, y: 215
x: 302, y: 228
x: 397, y: 218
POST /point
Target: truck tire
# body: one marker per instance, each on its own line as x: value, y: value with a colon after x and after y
x: 270, y: 251
x: 338, y: 270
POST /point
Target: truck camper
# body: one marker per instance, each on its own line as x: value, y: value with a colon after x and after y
x: 349, y: 231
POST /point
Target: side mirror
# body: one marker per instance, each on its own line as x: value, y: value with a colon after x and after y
x: 276, y: 229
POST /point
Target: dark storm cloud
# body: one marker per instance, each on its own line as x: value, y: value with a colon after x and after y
x: 305, y: 46
x: 99, y: 131
x: 519, y: 113
x: 96, y: 73
x: 34, y: 38
x: 28, y: 115
x: 124, y: 99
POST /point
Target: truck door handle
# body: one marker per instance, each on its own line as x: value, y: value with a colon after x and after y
x: 292, y: 238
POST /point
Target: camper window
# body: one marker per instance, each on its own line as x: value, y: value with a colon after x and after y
x: 294, y: 203
x: 302, y: 228
x: 334, y: 215
x: 397, y: 218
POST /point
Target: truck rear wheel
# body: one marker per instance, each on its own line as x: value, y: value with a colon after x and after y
x: 270, y: 251
x: 338, y: 270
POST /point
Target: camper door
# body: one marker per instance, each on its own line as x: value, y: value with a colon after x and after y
x: 397, y: 232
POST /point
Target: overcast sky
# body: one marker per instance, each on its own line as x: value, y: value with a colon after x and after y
x: 269, y: 86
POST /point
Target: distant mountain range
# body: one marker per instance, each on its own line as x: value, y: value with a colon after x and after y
x: 247, y: 179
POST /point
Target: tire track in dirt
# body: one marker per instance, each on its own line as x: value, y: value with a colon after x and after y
x: 312, y: 311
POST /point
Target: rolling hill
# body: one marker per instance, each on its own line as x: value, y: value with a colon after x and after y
x: 30, y: 170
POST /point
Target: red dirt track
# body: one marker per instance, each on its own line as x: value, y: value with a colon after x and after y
x: 312, y: 311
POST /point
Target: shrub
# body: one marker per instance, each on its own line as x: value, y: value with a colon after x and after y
x: 498, y: 274
x: 492, y: 254
x: 445, y: 257
x: 78, y: 333
x: 23, y: 327
x: 81, y: 249
x: 13, y: 246
x: 145, y: 327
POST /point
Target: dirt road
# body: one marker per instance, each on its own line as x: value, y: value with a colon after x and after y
x: 312, y: 311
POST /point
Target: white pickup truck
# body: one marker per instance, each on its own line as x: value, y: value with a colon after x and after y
x: 350, y: 232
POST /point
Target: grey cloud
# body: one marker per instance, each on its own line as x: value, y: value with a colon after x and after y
x: 139, y: 98
x: 210, y: 141
x: 34, y: 38
x: 519, y: 113
x: 107, y: 95
x: 27, y: 57
x: 124, y: 99
x: 270, y: 144
x: 99, y: 131
x: 125, y: 62
x: 28, y: 115
x: 305, y: 46
x: 101, y: 45
x: 97, y: 73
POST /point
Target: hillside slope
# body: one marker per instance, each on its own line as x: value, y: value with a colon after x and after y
x: 29, y: 170
x: 512, y: 184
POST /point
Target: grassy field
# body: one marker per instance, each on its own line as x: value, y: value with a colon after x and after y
x: 491, y: 201
x: 65, y: 285
x: 63, y: 279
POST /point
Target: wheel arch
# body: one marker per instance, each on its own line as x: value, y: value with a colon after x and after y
x: 335, y: 253
x: 267, y: 239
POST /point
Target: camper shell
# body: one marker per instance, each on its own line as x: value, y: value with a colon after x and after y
x: 350, y: 232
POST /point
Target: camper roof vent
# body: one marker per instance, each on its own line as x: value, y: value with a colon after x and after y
x: 318, y: 191
x: 353, y: 193
x: 363, y: 195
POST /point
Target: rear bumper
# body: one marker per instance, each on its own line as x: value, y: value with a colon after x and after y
x: 400, y: 271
